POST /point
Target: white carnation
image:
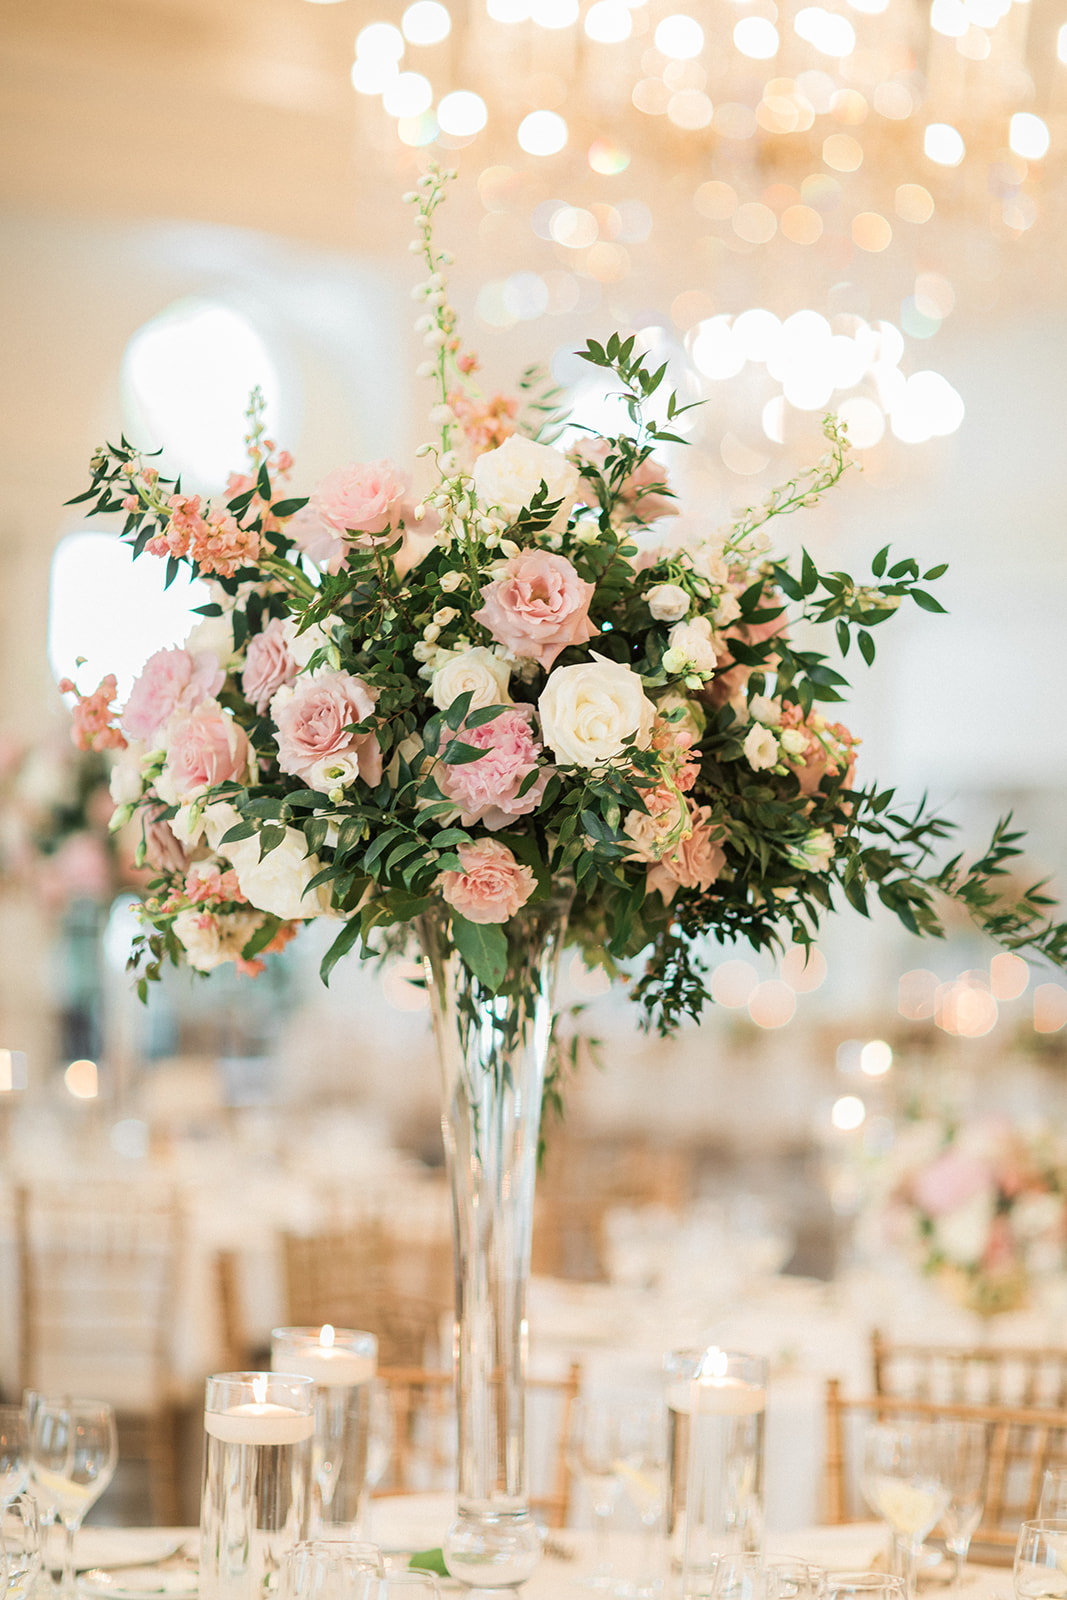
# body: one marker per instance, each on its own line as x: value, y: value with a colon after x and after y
x: 589, y: 711
x: 506, y: 479
x: 479, y: 671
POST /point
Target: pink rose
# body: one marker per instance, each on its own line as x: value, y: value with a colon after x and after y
x: 320, y: 542
x: 359, y: 499
x: 538, y: 607
x: 950, y: 1181
x: 487, y: 791
x: 315, y: 741
x: 170, y: 681
x: 637, y: 494
x: 268, y: 665
x: 204, y: 747
x: 696, y: 861
x: 492, y: 885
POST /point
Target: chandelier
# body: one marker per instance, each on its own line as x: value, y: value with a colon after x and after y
x: 810, y: 190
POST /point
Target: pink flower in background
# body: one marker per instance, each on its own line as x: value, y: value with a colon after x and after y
x: 492, y: 885
x: 204, y: 747
x: 828, y: 747
x: 359, y: 499
x: 639, y: 492
x: 163, y: 849
x: 950, y: 1181
x: 487, y: 791
x: 1000, y: 1255
x: 315, y: 741
x: 92, y: 718
x: 268, y: 665
x: 79, y: 870
x: 169, y: 681
x: 538, y: 607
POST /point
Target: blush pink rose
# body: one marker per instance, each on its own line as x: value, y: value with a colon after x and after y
x: 950, y: 1181
x: 268, y: 665
x: 204, y: 747
x: 315, y: 741
x: 320, y: 542
x: 695, y: 863
x: 170, y: 681
x: 492, y: 885
x: 538, y: 607
x: 487, y: 791
x: 363, y: 498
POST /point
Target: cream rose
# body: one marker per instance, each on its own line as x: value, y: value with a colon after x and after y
x: 692, y: 647
x: 589, y: 711
x: 507, y: 479
x: 478, y: 671
x: 277, y: 883
x: 668, y: 602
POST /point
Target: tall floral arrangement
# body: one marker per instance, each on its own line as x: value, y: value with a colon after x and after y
x: 534, y: 672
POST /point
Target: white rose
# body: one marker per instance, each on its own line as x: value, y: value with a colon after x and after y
x: 507, y: 478
x: 277, y: 883
x: 760, y: 747
x: 215, y: 820
x: 763, y: 709
x: 126, y: 782
x: 589, y: 711
x: 667, y: 602
x: 693, y: 641
x: 479, y: 670
x: 212, y: 938
x: 215, y: 634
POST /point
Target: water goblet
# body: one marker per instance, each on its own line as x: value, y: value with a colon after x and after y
x: 73, y: 1455
x: 1040, y: 1571
x: 642, y: 1468
x: 1053, y: 1499
x: 964, y: 1463
x: 20, y: 1539
x: 595, y: 1452
x: 903, y: 1483
x: 733, y: 1577
x: 14, y: 1466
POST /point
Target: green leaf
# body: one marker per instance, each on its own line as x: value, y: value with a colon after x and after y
x: 844, y: 637
x: 270, y: 838
x: 458, y: 754
x: 261, y: 938
x: 935, y: 572
x: 430, y: 1561
x: 240, y: 830
x: 340, y: 947
x: 286, y: 508
x: 458, y: 709
x: 926, y: 602
x: 878, y: 564
x: 866, y: 644
x: 478, y: 719
x: 315, y: 831
x: 263, y: 482
x: 809, y: 575
x: 484, y: 948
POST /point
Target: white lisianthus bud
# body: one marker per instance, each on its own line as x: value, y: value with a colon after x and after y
x: 587, y: 531
x: 451, y: 581
x: 424, y: 323
x: 760, y: 747
x: 416, y: 247
x: 446, y: 615
x: 424, y: 449
x: 667, y: 602
x: 435, y: 338
x: 441, y: 414
x: 815, y: 854
x: 794, y: 743
x: 431, y: 632
x: 426, y: 369
x: 509, y: 548
x: 762, y: 709
x: 673, y: 660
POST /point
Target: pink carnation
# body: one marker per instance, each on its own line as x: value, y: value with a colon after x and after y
x: 696, y: 861
x: 163, y: 849
x: 315, y: 741
x: 359, y: 499
x: 487, y: 791
x: 538, y: 607
x: 170, y: 681
x: 268, y: 665
x: 204, y: 747
x: 492, y: 885
x: 950, y: 1181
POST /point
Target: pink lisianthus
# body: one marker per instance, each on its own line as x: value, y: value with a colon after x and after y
x: 492, y: 885
x: 170, y: 681
x: 363, y: 498
x: 639, y: 494
x: 695, y: 862
x: 315, y: 741
x: 204, y: 747
x: 537, y: 607
x: 92, y: 726
x: 269, y: 664
x: 487, y: 791
x: 951, y: 1181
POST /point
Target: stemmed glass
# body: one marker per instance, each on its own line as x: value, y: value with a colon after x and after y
x: 1041, y: 1560
x: 863, y: 1586
x: 1053, y: 1501
x: 73, y: 1455
x: 20, y: 1534
x: 964, y: 1462
x: 595, y: 1454
x: 903, y: 1482
x: 642, y: 1468
x: 14, y: 1470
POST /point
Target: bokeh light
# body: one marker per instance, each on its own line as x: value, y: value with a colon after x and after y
x: 944, y: 144
x: 542, y: 133
x: 848, y: 1113
x: 680, y: 37
x: 426, y: 22
x: 1050, y: 1007
x: 608, y: 22
x: 917, y: 994
x: 1029, y: 136
x: 732, y: 984
x: 81, y: 1079
x: 772, y: 1004
x: 1009, y: 976
x: 756, y: 38
x: 876, y: 1058
x: 462, y: 113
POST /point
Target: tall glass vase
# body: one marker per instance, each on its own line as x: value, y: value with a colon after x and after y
x: 493, y: 1050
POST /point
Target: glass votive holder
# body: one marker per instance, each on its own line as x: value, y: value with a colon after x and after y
x: 329, y: 1569
x: 258, y: 1429
x: 342, y: 1363
x: 724, y: 1475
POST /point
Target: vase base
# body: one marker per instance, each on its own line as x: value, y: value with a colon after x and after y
x: 492, y: 1552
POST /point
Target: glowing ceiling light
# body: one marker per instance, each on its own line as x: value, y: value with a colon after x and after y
x: 944, y: 144
x: 830, y: 34
x: 380, y: 41
x: 680, y: 37
x: 426, y: 22
x: 756, y: 38
x: 949, y: 18
x: 1029, y: 136
x: 408, y: 95
x: 373, y: 76
x: 462, y: 114
x: 608, y: 22
x: 542, y: 133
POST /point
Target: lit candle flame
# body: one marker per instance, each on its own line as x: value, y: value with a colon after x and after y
x: 714, y: 1364
x: 326, y: 1337
x: 259, y: 1388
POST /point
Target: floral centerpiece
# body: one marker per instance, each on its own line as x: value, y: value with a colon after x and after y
x: 529, y: 689
x: 982, y: 1206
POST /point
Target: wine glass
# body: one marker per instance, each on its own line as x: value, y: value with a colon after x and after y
x: 14, y: 1469
x: 642, y: 1469
x: 964, y: 1464
x: 740, y: 1577
x: 1053, y: 1501
x: 595, y: 1453
x: 903, y: 1483
x: 20, y: 1533
x: 73, y: 1455
x: 1041, y: 1560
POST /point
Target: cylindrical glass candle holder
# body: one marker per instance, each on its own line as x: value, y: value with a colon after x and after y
x: 258, y: 1430
x: 342, y: 1363
x: 724, y: 1476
